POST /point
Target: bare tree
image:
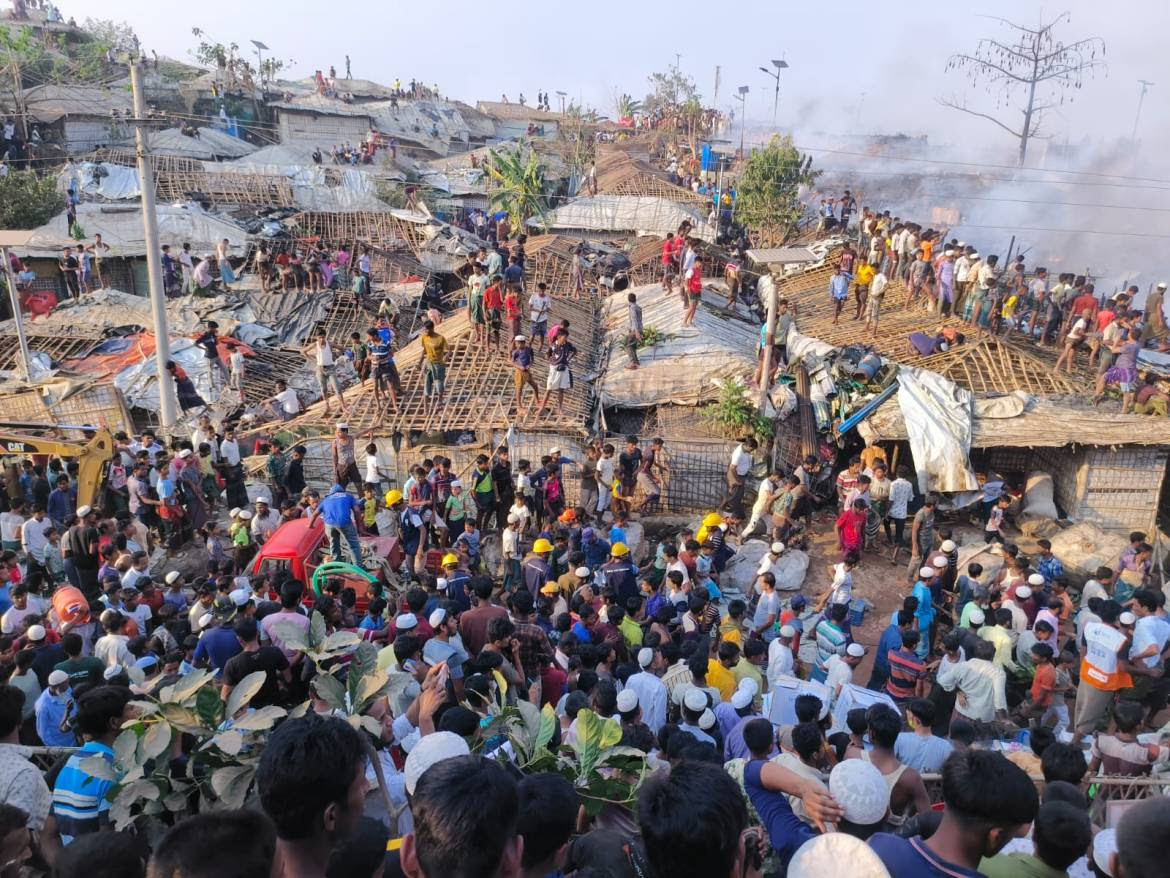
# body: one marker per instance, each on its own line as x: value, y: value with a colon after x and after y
x: 1033, y: 63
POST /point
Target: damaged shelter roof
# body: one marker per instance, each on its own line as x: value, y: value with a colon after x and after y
x: 984, y: 364
x: 211, y: 144
x: 430, y: 123
x: 48, y: 103
x: 682, y: 368
x: 479, y: 391
x: 628, y: 214
x: 1023, y: 420
x: 121, y: 228
x: 619, y: 174
x: 500, y: 110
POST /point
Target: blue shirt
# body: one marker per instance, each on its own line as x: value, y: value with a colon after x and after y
x: 839, y: 286
x: 911, y: 858
x: 337, y: 509
x: 61, y: 505
x: 522, y: 357
x: 925, y: 611
x: 891, y: 639
x: 79, y: 799
x: 786, y: 831
x: 50, y: 710
x: 217, y: 645
x: 617, y: 535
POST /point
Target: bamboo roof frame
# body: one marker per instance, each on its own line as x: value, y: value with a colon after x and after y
x: 383, y: 229
x: 177, y: 178
x: 57, y: 346
x: 480, y: 393
x: 619, y: 174
x: 983, y: 364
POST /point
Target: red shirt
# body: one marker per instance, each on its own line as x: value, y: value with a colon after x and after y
x: 851, y: 527
x: 1043, y: 684
x: 1104, y: 318
x: 552, y: 685
x: 1084, y: 303
x: 492, y: 297
x: 668, y: 252
x: 695, y: 285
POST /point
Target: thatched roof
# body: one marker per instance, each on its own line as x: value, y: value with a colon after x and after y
x: 48, y: 103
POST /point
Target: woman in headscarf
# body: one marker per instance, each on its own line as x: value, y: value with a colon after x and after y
x: 189, y: 397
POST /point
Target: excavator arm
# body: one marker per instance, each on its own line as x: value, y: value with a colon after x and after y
x: 92, y: 456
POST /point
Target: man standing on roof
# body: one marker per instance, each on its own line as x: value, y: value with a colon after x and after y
x: 560, y: 375
x: 345, y: 469
x: 434, y: 367
x: 339, y: 512
x: 210, y: 344
x: 321, y: 352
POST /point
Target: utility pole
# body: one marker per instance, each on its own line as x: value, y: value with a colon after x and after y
x: 158, y: 297
x: 741, y: 96
x: 768, y: 287
x: 8, y: 240
x: 779, y: 64
x: 1145, y: 84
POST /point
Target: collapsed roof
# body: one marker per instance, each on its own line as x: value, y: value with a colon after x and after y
x: 628, y: 214
x: 121, y: 228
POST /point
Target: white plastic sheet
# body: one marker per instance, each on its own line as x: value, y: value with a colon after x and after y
x: 938, y: 421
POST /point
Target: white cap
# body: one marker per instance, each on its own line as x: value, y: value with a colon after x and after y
x: 645, y: 656
x: 1126, y: 618
x: 947, y: 546
x: 777, y: 548
x: 1023, y: 592
x: 455, y: 483
x: 1035, y: 579
x: 741, y: 699
x: 554, y: 451
x: 825, y: 854
x: 859, y: 787
x: 748, y: 685
x: 56, y: 678
x: 172, y: 577
x: 437, y: 617
x: 787, y: 631
x: 264, y: 500
x: 430, y: 749
x: 204, y: 620
x: 233, y: 512
x: 926, y: 572
x: 185, y: 453
x: 1104, y: 847
x: 111, y: 672
x: 245, y: 515
x: 939, y: 562
x: 520, y: 338
x: 441, y: 583
x: 36, y: 632
x: 855, y: 649
x: 513, y: 518
x: 627, y: 700
x: 583, y: 572
x: 975, y: 255
x: 83, y: 511
x: 1162, y: 285
x: 405, y: 621
x: 240, y: 596
x: 707, y: 720
x: 948, y: 252
x: 977, y: 617
x: 695, y: 699
x: 343, y: 426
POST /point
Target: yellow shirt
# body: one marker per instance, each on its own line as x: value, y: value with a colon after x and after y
x: 721, y: 678
x: 864, y: 274
x: 435, y: 347
x: 631, y: 632
x: 729, y: 632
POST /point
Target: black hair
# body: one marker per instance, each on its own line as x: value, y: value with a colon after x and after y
x: 923, y: 710
x: 670, y: 806
x: 465, y: 811
x: 884, y: 725
x: 982, y: 789
x: 757, y: 735
x: 856, y: 722
x: 1140, y: 838
x: 1062, y: 761
x: 361, y: 853
x: 11, y: 709
x: 458, y: 719
x: 238, y: 843
x: 806, y: 740
x: 97, y: 707
x: 308, y: 764
x: 1061, y: 834
x: 548, y: 816
x: 1040, y: 738
x: 108, y: 855
x: 807, y: 707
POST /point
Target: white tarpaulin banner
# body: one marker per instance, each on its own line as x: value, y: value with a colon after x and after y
x: 938, y: 421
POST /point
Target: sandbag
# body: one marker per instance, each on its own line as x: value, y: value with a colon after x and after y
x: 1084, y: 547
x: 789, y: 570
x: 1038, y: 496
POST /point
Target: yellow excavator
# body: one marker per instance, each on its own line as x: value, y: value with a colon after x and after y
x: 93, y: 455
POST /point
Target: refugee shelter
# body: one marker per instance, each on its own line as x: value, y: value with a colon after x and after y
x: 622, y: 217
x: 79, y: 117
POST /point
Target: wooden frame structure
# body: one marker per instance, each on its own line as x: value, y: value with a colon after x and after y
x: 177, y: 179
x: 983, y: 363
x: 383, y: 229
x: 619, y: 174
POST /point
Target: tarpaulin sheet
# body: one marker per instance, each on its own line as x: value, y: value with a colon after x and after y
x: 648, y: 215
x: 101, y: 180
x: 938, y: 420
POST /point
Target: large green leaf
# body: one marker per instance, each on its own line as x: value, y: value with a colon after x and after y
x: 363, y: 662
x: 293, y: 636
x: 259, y: 720
x: 330, y: 690
x: 548, y: 725
x: 229, y: 742
x: 244, y: 692
x: 317, y: 630
x: 231, y: 784
x: 187, y: 686
x: 340, y: 642
x: 209, y: 706
x: 125, y: 746
x: 99, y: 767
x: 155, y: 742
x: 183, y: 719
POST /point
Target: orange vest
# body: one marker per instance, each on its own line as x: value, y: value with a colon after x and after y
x: 1100, y: 667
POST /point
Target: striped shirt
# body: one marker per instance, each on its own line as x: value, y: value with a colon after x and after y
x: 79, y: 799
x: 831, y: 640
x: 905, y: 671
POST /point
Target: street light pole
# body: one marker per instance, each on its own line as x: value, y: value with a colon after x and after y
x: 1145, y: 83
x: 779, y: 64
x: 158, y: 307
x: 741, y: 96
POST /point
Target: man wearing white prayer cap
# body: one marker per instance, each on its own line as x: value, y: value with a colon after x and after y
x: 695, y: 704
x: 861, y: 789
x: 837, y: 853
x: 651, y: 691
x: 431, y: 749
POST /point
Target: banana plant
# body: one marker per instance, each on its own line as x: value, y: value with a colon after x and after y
x: 518, y: 184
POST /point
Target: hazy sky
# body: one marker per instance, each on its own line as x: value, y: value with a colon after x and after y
x: 893, y: 54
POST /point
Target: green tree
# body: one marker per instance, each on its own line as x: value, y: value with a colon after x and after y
x: 110, y: 34
x: 767, y: 195
x: 28, y: 200
x: 518, y: 185
x: 627, y: 106
x: 669, y: 91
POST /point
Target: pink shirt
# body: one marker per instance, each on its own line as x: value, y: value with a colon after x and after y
x: 1049, y: 617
